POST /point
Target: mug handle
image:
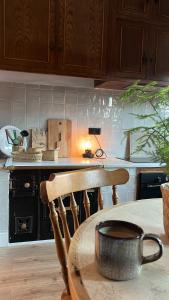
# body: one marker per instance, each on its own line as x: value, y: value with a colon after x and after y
x: 157, y: 255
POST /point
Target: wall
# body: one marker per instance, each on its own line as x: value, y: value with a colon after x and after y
x: 28, y: 106
x: 4, y: 205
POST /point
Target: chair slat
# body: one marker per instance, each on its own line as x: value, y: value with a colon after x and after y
x: 67, y: 183
x: 60, y: 248
x: 115, y: 198
x: 74, y: 210
x: 100, y: 199
x: 62, y: 213
x: 86, y: 203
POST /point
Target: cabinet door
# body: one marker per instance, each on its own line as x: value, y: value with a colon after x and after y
x: 26, y: 34
x: 83, y: 39
x: 159, y: 58
x: 136, y: 7
x: 128, y: 50
x: 161, y: 8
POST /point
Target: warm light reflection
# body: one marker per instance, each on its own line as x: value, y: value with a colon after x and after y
x: 86, y: 161
x: 85, y: 145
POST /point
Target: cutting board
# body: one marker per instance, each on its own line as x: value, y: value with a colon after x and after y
x: 59, y: 136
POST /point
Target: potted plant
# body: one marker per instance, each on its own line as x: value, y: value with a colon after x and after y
x: 154, y: 134
x: 154, y: 138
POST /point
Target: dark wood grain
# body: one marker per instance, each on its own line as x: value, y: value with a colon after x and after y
x: 159, y: 58
x: 128, y: 49
x: 84, y: 27
x: 162, y: 10
x: 102, y: 39
x: 26, y: 36
x: 138, y: 7
x: 54, y: 36
x: 139, y: 39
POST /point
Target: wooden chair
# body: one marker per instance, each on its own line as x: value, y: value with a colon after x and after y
x: 66, y: 183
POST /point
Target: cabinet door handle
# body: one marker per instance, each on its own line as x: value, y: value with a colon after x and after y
x: 153, y: 185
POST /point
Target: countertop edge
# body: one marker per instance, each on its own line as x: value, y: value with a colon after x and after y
x: 77, y: 163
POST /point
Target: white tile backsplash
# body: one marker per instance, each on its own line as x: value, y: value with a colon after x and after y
x: 29, y: 106
x: 5, y: 112
x: 33, y: 112
x: 59, y: 95
x: 19, y: 115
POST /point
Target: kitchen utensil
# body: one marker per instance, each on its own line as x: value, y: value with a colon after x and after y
x: 59, y: 136
x: 7, y: 139
x: 24, y: 134
x: 15, y: 140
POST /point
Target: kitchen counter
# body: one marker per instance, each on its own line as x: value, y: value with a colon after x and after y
x: 126, y: 193
x: 116, y: 162
x: 78, y: 162
x: 58, y: 164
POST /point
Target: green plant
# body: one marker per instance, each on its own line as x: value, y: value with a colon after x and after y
x: 154, y: 138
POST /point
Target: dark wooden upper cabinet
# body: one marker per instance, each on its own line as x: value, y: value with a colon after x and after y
x: 161, y: 10
x: 128, y: 50
x: 139, y: 40
x: 28, y: 31
x: 134, y: 7
x: 54, y: 36
x: 84, y: 39
x: 159, y: 58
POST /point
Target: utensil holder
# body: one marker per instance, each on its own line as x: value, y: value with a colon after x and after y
x: 17, y: 148
x: 25, y: 156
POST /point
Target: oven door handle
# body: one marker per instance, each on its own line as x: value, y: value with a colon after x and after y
x: 153, y: 185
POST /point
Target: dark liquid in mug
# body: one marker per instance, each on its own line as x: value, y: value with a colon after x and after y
x: 119, y: 232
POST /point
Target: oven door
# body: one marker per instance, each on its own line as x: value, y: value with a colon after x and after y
x: 149, y: 186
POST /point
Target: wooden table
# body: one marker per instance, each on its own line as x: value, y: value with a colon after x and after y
x: 153, y: 282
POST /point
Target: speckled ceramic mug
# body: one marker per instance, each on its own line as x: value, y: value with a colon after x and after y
x: 119, y: 249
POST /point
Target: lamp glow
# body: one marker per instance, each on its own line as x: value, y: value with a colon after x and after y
x: 86, y: 146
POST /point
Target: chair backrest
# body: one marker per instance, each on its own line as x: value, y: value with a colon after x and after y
x: 67, y: 183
